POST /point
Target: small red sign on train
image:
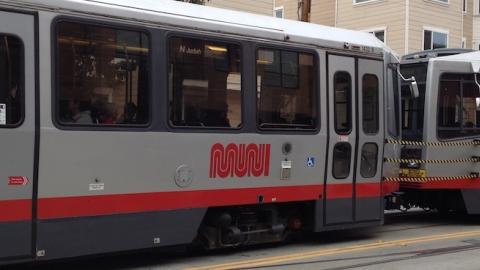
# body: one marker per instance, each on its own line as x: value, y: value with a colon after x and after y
x: 17, y: 181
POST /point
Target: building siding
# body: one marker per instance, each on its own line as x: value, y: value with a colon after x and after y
x: 323, y: 12
x: 290, y: 8
x: 264, y: 7
x: 428, y: 13
x: 388, y: 14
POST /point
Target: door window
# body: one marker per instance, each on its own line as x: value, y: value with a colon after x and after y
x: 370, y: 103
x: 341, y: 160
x: 368, y: 165
x: 343, y: 102
x: 11, y: 81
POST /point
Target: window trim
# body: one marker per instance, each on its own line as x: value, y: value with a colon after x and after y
x: 213, y: 38
x: 440, y: 138
x: 367, y: 2
x: 55, y: 76
x: 440, y: 2
x: 350, y: 102
x: 22, y: 84
x: 316, y: 89
x: 437, y: 30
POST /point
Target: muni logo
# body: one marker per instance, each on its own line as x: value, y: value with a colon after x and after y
x: 239, y: 160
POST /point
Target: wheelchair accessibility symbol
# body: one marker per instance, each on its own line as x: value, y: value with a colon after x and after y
x: 311, y: 162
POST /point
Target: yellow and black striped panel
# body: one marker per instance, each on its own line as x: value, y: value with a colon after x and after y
x: 433, y: 144
x: 432, y: 161
x: 430, y: 178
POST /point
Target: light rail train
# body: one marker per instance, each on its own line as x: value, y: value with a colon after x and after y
x: 443, y: 124
x: 127, y: 126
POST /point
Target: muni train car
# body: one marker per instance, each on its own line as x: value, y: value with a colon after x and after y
x: 128, y: 126
x: 440, y: 156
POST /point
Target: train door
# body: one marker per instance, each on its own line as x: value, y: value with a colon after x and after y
x: 368, y: 175
x: 339, y: 203
x: 17, y: 132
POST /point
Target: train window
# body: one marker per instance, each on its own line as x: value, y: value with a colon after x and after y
x: 341, y: 160
x: 205, y: 87
x: 286, y: 97
x: 102, y: 75
x: 459, y: 106
x: 11, y: 81
x: 370, y: 103
x: 343, y: 102
x: 368, y: 165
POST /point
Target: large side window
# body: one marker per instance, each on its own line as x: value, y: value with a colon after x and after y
x: 286, y: 97
x: 343, y: 102
x: 11, y: 81
x: 102, y: 75
x: 205, y: 87
x: 458, y: 106
x: 370, y: 104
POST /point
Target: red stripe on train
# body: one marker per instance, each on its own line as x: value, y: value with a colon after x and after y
x: 145, y: 202
x: 63, y: 207
x: 15, y: 210
x: 447, y: 184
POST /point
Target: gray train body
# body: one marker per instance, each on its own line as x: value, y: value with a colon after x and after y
x: 444, y: 119
x: 70, y: 190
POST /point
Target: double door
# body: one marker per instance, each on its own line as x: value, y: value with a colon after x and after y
x: 356, y: 135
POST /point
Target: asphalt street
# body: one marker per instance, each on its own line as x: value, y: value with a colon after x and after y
x: 417, y: 240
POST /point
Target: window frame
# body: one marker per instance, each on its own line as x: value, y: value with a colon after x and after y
x: 55, y: 75
x: 366, y: 2
x: 22, y: 84
x: 434, y: 30
x: 316, y: 88
x: 457, y: 138
x: 244, y: 87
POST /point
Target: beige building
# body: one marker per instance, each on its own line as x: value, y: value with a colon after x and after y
x: 405, y: 25
x: 264, y: 7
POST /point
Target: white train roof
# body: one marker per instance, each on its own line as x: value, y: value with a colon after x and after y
x: 472, y: 59
x: 176, y: 13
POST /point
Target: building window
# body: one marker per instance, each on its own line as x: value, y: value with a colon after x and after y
x: 11, y: 81
x: 458, y: 106
x: 102, y: 75
x: 363, y: 1
x: 380, y: 34
x: 205, y: 88
x: 464, y: 6
x: 278, y: 12
x: 434, y: 40
x: 286, y: 92
x: 464, y: 43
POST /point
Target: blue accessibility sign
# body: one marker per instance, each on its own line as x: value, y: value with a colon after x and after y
x: 311, y: 162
